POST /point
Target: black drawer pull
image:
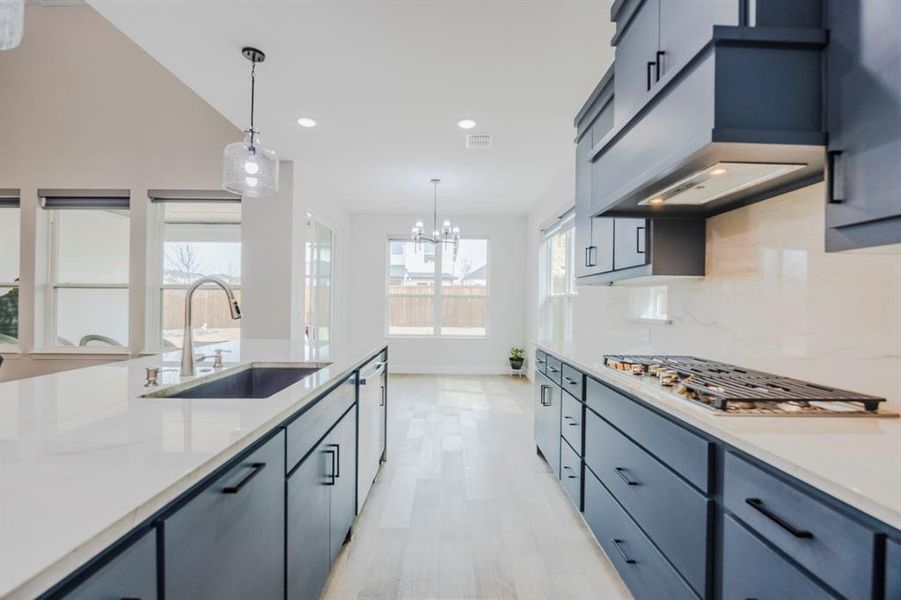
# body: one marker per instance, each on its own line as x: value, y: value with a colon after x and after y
x: 570, y: 381
x: 591, y: 256
x: 572, y: 421
x: 382, y: 399
x: 332, y: 475
x: 757, y: 504
x: 618, y: 544
x: 622, y: 475
x: 651, y: 65
x: 569, y: 468
x: 660, y: 54
x: 255, y: 468
x: 544, y: 388
x: 553, y: 369
x: 539, y: 361
x: 639, y: 239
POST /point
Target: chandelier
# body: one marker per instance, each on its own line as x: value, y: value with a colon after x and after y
x: 447, y: 235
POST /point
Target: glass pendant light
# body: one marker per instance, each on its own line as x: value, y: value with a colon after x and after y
x: 12, y: 23
x: 249, y: 169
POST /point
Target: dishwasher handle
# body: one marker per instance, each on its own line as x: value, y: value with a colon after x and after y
x: 373, y: 373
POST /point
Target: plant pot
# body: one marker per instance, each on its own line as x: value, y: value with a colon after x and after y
x: 516, y: 363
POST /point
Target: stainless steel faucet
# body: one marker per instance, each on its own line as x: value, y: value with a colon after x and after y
x: 187, y: 352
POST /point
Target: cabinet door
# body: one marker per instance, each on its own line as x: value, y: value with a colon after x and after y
x: 635, y: 56
x: 630, y: 241
x: 892, y: 569
x: 131, y: 574
x: 228, y: 541
x: 686, y: 25
x: 863, y: 61
x: 341, y: 443
x: 547, y: 421
x: 372, y: 427
x: 308, y: 560
x: 582, y: 205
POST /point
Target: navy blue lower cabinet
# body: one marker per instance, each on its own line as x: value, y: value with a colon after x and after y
x: 343, y: 502
x: 571, y: 473
x: 548, y: 397
x: 892, y: 569
x: 131, y: 574
x: 752, y: 570
x: 670, y: 511
x: 833, y: 546
x: 308, y: 551
x: 228, y: 541
x: 647, y: 574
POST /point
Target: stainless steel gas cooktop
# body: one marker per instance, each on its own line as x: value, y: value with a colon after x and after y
x: 731, y: 390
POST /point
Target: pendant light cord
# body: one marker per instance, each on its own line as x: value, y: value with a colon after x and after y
x: 435, y: 209
x: 253, y: 80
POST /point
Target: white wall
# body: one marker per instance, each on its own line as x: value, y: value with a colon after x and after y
x: 772, y: 299
x: 506, y: 287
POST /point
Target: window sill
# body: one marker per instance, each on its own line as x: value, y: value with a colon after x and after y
x: 78, y: 352
x: 651, y: 321
x: 10, y: 350
x: 436, y: 337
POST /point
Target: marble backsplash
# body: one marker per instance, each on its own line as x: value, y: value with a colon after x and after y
x: 772, y: 299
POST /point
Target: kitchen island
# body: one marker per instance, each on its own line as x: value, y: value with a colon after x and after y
x: 86, y: 461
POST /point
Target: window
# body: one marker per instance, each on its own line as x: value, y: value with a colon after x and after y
x: 198, y: 239
x: 89, y: 254
x: 433, y: 292
x: 9, y: 268
x: 557, y: 281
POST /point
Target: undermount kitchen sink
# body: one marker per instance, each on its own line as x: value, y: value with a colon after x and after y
x: 257, y: 380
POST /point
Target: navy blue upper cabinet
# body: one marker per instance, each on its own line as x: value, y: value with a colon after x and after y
x: 228, y: 541
x: 637, y: 41
x: 863, y: 71
x: 686, y: 25
x: 630, y: 247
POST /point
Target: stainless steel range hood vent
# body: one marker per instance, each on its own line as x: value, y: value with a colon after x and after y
x: 717, y: 181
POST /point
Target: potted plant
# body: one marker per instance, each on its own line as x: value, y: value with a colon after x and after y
x: 517, y: 355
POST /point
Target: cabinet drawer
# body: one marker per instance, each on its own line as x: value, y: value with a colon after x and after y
x: 753, y: 570
x: 229, y: 540
x: 686, y: 453
x: 573, y: 381
x: 641, y: 566
x: 540, y: 361
x: 131, y: 574
x: 571, y: 422
x: 893, y: 569
x: 304, y: 432
x: 554, y: 369
x: 670, y: 511
x: 571, y: 473
x: 830, y: 545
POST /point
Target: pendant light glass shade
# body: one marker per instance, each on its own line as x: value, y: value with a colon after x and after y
x: 249, y: 169
x: 12, y: 23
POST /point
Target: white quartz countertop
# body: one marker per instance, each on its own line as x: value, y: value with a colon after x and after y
x: 84, y: 458
x: 856, y: 460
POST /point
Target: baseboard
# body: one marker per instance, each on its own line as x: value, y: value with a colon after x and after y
x: 446, y: 369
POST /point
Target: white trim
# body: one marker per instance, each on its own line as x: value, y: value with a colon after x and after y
x: 417, y: 369
x: 85, y: 352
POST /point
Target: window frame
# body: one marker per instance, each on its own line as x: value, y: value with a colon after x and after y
x: 158, y: 287
x: 51, y: 341
x: 13, y: 347
x: 565, y: 225
x: 437, y: 295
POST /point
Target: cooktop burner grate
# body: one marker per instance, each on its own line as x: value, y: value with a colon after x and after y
x: 728, y: 387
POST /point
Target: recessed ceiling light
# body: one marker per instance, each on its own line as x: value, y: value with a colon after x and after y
x: 466, y: 124
x: 306, y: 122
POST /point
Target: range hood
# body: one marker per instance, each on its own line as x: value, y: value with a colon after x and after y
x: 739, y: 122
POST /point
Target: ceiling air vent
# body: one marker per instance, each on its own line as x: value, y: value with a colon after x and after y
x: 478, y: 140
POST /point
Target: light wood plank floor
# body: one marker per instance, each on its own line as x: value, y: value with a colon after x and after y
x: 464, y: 507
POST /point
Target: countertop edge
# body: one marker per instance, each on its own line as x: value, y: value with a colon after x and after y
x: 696, y: 417
x: 42, y: 581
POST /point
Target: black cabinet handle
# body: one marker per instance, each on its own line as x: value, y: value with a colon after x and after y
x: 539, y: 361
x: 553, y: 369
x: 618, y: 544
x: 337, y: 460
x: 255, y: 468
x: 757, y: 504
x: 835, y: 171
x: 651, y: 65
x: 570, y: 469
x: 382, y: 399
x: 591, y: 256
x: 572, y: 421
x: 639, y: 238
x: 543, y: 389
x: 657, y: 66
x: 570, y: 381
x: 622, y: 475
x: 332, y: 475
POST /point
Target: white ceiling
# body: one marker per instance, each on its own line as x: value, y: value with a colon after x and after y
x: 387, y: 82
